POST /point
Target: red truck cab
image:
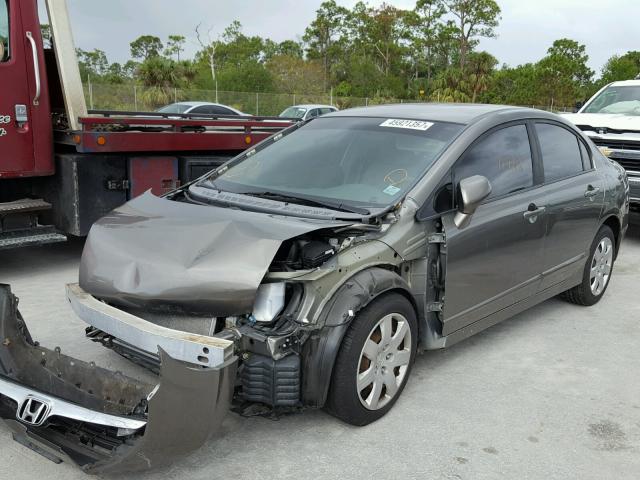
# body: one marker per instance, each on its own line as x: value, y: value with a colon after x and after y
x: 25, y: 117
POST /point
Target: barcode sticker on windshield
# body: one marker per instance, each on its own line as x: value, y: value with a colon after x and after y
x: 411, y: 124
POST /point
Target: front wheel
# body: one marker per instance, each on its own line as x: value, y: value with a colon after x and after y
x: 597, y: 271
x: 374, y: 360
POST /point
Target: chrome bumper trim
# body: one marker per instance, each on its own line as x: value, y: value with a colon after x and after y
x: 64, y: 409
x: 188, y: 347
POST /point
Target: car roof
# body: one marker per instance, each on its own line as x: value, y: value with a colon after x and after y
x: 311, y: 105
x: 626, y: 83
x: 463, y: 113
x: 198, y: 104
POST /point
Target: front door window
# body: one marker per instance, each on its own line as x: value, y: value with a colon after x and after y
x: 504, y: 157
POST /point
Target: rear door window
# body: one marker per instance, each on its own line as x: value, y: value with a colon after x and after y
x: 201, y: 110
x: 217, y: 110
x: 4, y: 31
x: 561, y: 157
x: 504, y: 157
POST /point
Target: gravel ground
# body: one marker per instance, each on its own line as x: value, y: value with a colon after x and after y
x: 553, y: 393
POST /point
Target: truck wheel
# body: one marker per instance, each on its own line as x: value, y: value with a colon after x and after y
x: 597, y: 270
x: 374, y: 361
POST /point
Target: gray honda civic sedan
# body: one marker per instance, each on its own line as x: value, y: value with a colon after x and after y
x: 310, y: 270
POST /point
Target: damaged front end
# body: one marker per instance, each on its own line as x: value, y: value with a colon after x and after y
x: 106, y: 422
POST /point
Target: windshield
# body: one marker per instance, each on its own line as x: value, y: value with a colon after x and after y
x: 622, y: 100
x: 294, y: 112
x: 368, y: 162
x: 174, y: 108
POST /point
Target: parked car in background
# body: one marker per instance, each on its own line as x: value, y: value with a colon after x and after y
x: 310, y: 270
x: 306, y: 112
x: 202, y: 108
x: 611, y: 118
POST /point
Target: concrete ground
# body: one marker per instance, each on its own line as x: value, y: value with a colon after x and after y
x: 553, y: 393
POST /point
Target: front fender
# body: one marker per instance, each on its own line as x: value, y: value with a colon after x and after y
x: 321, y: 349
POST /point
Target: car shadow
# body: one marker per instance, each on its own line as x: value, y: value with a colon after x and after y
x: 28, y: 260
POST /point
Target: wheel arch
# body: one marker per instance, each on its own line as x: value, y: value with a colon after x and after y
x: 613, y: 222
x: 321, y: 349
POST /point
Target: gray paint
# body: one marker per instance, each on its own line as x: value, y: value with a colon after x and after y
x: 496, y: 262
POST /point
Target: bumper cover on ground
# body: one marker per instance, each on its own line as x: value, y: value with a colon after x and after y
x: 105, y: 422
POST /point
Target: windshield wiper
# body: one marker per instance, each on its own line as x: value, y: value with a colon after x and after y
x: 309, y: 202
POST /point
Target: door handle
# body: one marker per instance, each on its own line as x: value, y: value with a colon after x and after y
x: 532, y: 212
x: 591, y: 191
x: 36, y: 68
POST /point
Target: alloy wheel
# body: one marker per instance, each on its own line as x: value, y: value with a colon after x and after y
x: 601, y: 264
x: 384, y: 361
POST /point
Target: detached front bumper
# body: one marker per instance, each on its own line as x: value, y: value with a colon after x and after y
x: 104, y: 421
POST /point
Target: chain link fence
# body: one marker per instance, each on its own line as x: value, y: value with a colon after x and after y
x: 147, y: 99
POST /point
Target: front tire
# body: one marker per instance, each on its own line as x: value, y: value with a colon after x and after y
x: 374, y: 361
x: 597, y: 270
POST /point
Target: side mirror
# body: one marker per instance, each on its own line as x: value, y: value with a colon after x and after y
x: 579, y: 105
x: 471, y: 192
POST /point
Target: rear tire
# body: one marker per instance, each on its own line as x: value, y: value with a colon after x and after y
x: 597, y: 270
x: 374, y: 361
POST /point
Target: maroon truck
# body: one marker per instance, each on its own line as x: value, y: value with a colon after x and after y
x: 63, y: 167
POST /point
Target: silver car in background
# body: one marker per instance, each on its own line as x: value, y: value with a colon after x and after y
x: 307, y: 112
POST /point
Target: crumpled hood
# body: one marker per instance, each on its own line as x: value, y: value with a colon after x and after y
x: 605, y: 120
x: 206, y: 259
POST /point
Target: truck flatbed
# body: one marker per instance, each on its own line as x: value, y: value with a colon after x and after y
x: 105, y: 131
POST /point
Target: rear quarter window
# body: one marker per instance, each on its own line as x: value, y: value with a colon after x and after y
x: 561, y: 156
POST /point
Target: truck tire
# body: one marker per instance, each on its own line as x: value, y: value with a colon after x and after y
x: 374, y: 360
x: 597, y: 270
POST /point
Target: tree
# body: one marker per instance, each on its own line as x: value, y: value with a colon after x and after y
x: 208, y: 53
x: 175, y: 46
x: 130, y: 68
x: 625, y: 67
x: 479, y: 69
x: 514, y: 86
x: 426, y: 23
x: 564, y: 76
x: 146, y: 47
x: 325, y: 34
x: 290, y: 48
x: 292, y: 74
x: 93, y: 63
x: 164, y: 72
x: 385, y: 31
x: 234, y: 61
x: 474, y: 19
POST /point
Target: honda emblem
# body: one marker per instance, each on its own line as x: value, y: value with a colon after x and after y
x: 33, y: 411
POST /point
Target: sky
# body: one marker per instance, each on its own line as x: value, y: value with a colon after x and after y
x: 526, y: 30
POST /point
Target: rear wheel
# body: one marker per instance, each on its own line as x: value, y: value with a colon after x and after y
x: 597, y: 271
x: 374, y: 360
